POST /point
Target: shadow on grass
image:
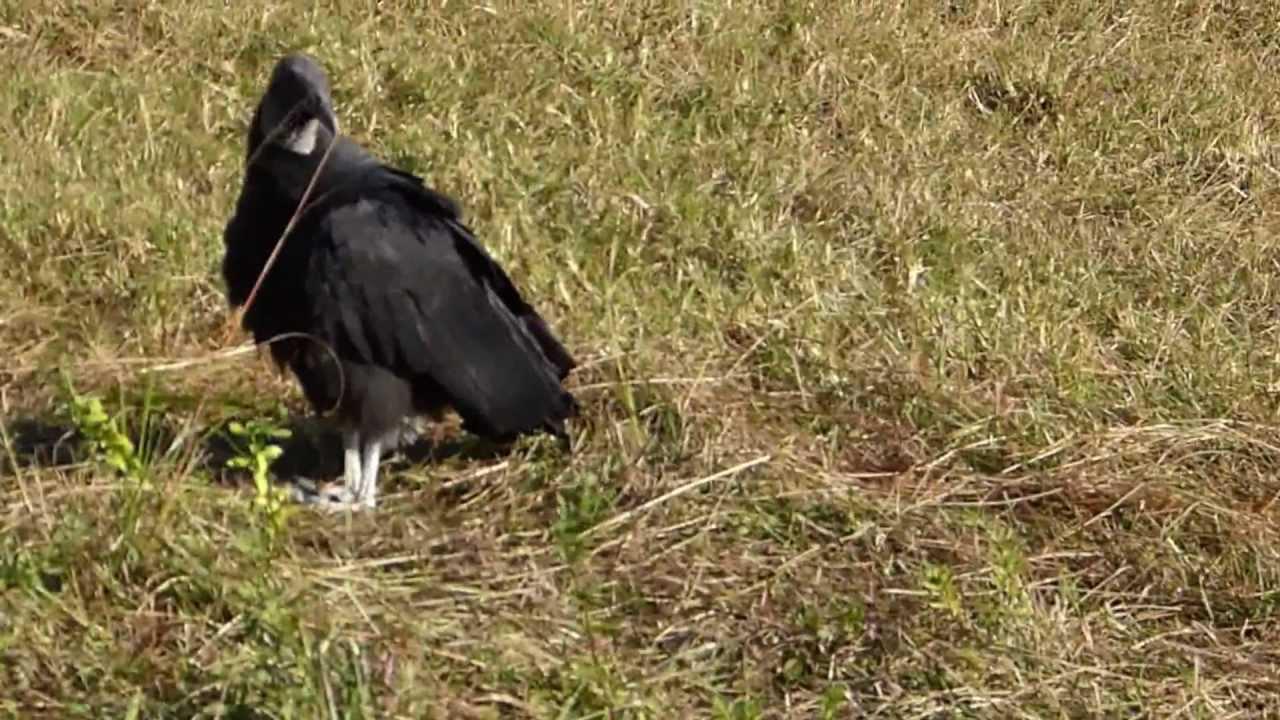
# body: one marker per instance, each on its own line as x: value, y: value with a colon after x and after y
x: 313, y: 450
x: 37, y: 442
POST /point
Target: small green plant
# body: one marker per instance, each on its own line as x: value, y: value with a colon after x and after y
x: 940, y: 583
x: 580, y: 505
x: 744, y: 708
x: 1008, y: 568
x: 22, y: 568
x: 257, y: 452
x: 106, y: 441
x: 835, y: 700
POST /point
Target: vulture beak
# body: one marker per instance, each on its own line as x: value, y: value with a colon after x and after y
x: 304, y: 139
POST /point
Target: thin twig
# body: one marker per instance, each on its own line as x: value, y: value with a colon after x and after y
x: 686, y: 488
x: 243, y: 349
x: 293, y: 221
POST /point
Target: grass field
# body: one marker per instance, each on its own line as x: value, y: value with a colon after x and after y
x: 929, y: 353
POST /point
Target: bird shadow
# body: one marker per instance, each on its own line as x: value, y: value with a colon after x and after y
x: 313, y: 449
x: 41, y: 442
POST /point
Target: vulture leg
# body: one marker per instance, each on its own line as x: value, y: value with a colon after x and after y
x: 369, y: 480
x: 331, y: 496
x: 351, y: 476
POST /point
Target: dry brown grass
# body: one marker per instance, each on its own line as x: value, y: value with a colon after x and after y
x: 930, y: 365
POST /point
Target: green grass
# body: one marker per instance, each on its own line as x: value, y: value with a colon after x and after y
x: 929, y: 365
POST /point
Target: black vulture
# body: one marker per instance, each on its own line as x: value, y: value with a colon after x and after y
x: 380, y: 301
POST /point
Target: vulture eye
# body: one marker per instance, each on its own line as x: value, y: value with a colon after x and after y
x: 292, y: 122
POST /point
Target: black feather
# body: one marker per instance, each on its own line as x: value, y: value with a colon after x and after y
x: 406, y: 312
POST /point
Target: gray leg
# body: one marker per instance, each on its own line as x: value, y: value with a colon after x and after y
x: 369, y: 479
x: 351, y: 476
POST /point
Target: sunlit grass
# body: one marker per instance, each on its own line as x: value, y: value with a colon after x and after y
x: 929, y: 365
